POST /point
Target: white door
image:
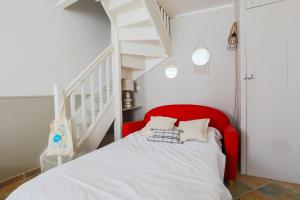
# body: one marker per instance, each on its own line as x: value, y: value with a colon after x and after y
x: 273, y: 136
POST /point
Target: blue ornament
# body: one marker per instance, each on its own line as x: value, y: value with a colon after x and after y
x: 56, y: 138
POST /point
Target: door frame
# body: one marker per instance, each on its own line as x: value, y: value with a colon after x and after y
x: 242, y: 65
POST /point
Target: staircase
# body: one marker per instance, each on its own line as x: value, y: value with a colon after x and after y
x: 90, y: 105
x: 143, y: 29
x: 140, y: 41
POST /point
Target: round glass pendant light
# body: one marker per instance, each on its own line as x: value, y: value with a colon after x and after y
x: 171, y: 71
x: 201, y: 57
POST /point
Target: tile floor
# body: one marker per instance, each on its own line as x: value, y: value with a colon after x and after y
x: 254, y: 188
x: 246, y: 188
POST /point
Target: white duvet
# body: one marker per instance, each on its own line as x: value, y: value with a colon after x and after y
x: 135, y: 169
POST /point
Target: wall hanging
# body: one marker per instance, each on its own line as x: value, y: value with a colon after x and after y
x: 233, y: 38
x: 201, y: 55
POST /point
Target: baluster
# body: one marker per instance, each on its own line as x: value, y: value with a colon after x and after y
x: 157, y: 4
x: 169, y: 28
x: 111, y: 74
x: 73, y: 106
x: 83, y: 108
x: 92, y: 98
x: 100, y: 89
x: 166, y: 19
x: 107, y: 79
x: 73, y: 113
x: 168, y: 24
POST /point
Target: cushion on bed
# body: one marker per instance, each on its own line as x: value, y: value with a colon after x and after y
x: 165, y: 123
x: 169, y: 136
x: 194, y: 130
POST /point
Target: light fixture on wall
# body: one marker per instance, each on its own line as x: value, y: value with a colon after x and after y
x: 171, y: 70
x: 201, y: 54
x: 233, y: 38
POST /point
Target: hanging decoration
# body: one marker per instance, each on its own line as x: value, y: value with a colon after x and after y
x: 233, y: 38
x: 201, y: 55
x: 171, y: 70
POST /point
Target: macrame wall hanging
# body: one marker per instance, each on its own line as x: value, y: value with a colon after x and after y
x: 201, y: 57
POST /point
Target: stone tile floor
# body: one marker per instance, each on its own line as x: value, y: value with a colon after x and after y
x: 254, y: 188
x: 246, y: 188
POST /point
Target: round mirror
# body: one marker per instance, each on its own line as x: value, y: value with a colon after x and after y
x: 201, y: 57
x: 171, y: 71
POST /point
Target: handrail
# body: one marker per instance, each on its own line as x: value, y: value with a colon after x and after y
x: 161, y: 22
x: 164, y: 16
x: 85, y: 73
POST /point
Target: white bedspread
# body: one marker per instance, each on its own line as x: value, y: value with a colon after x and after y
x: 135, y: 169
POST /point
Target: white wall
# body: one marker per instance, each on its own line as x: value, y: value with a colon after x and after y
x: 42, y: 44
x: 213, y: 87
x: 24, y: 132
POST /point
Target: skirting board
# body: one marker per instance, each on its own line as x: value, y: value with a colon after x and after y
x: 20, y: 177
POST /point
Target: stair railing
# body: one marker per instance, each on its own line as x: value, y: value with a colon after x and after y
x: 161, y: 21
x: 94, y: 87
x: 86, y: 99
x: 164, y: 17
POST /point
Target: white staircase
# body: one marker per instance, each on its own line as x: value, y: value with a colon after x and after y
x: 90, y: 107
x: 140, y: 41
x: 143, y: 28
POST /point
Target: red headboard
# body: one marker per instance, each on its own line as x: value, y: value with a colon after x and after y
x: 186, y: 112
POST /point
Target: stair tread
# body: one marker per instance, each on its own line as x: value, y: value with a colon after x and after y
x: 113, y: 5
x: 133, y: 62
x: 137, y: 33
x: 132, y: 17
x: 142, y: 49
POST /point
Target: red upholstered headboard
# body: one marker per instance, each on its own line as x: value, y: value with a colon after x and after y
x: 186, y: 112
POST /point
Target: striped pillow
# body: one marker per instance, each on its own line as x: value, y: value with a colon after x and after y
x: 160, y: 135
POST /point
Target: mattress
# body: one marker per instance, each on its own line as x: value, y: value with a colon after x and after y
x: 134, y: 169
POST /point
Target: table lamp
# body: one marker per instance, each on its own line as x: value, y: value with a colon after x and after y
x: 127, y: 86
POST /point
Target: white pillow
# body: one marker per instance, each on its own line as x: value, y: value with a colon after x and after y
x: 194, y: 130
x: 165, y: 123
x: 214, y: 136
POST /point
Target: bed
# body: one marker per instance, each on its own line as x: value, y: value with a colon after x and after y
x: 134, y: 169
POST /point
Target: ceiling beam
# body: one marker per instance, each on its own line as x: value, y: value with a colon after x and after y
x: 65, y: 3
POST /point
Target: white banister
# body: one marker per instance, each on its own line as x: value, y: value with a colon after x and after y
x: 100, y: 89
x: 159, y: 18
x: 164, y: 16
x: 73, y: 105
x: 92, y: 98
x: 84, y: 85
x: 83, y: 108
x: 86, y: 72
x: 107, y: 79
